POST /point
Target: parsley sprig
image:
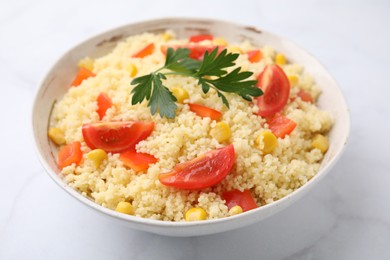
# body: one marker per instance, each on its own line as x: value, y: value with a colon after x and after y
x: 210, y: 73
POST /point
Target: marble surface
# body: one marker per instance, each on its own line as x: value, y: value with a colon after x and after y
x: 347, y: 216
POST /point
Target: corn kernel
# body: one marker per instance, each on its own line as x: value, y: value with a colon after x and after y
x: 234, y: 49
x: 132, y: 69
x: 320, y: 142
x: 97, y: 156
x: 221, y: 132
x: 180, y: 94
x: 195, y: 214
x: 86, y: 63
x: 280, y: 59
x: 293, y: 79
x: 235, y: 210
x: 269, y: 140
x: 166, y: 36
x: 220, y: 42
x: 125, y: 207
x: 57, y: 136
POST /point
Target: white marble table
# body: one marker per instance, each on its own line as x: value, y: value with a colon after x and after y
x: 347, y: 216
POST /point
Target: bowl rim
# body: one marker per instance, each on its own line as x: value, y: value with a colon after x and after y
x: 296, y: 194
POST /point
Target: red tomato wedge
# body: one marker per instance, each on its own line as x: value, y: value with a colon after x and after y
x: 82, y: 74
x: 104, y: 102
x: 202, y: 172
x: 70, y: 154
x: 204, y: 111
x: 201, y: 37
x: 116, y: 137
x: 149, y: 49
x: 305, y: 96
x: 255, y: 56
x: 280, y: 125
x: 243, y: 199
x: 276, y: 87
x: 196, y: 51
x: 137, y: 161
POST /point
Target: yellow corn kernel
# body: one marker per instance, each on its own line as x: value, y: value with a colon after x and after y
x: 97, y: 156
x: 86, y: 63
x: 235, y: 210
x: 166, y: 36
x: 234, y: 49
x: 270, y: 141
x: 195, y: 214
x: 293, y: 79
x: 221, y: 132
x: 320, y: 142
x: 132, y: 69
x: 280, y: 59
x: 180, y: 94
x: 220, y: 42
x: 57, y: 136
x: 125, y: 207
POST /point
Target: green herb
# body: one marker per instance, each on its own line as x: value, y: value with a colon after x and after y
x: 210, y: 73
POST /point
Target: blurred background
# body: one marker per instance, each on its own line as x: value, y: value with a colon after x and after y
x: 347, y: 216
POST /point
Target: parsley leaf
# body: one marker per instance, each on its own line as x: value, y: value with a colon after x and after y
x: 150, y: 87
x: 214, y: 64
x: 210, y: 73
x: 179, y: 62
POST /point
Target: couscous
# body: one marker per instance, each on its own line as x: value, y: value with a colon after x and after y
x: 195, y: 155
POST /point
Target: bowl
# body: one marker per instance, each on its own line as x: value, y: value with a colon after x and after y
x: 55, y: 84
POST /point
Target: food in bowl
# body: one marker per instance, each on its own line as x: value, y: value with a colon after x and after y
x: 190, y: 151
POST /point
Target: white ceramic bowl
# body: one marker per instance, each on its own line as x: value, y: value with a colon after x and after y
x: 56, y: 83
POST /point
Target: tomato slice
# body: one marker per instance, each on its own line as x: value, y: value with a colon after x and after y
x: 116, y: 137
x: 148, y: 50
x: 255, y: 56
x: 243, y: 199
x: 276, y: 87
x: 305, y: 96
x: 196, y: 51
x: 137, y: 161
x: 204, y: 111
x: 82, y: 74
x: 202, y: 172
x: 104, y: 102
x: 70, y: 154
x: 280, y: 125
x: 201, y: 37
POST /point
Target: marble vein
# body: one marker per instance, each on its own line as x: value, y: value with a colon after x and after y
x: 16, y: 200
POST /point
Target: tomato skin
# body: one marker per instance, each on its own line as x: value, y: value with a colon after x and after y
x: 197, y: 51
x: 255, y: 56
x: 204, y: 111
x: 276, y: 87
x: 70, y: 154
x: 202, y: 172
x: 148, y: 50
x: 201, y: 37
x: 137, y: 161
x: 104, y: 102
x: 81, y: 75
x: 305, y: 96
x: 243, y: 199
x: 280, y: 125
x: 116, y: 137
